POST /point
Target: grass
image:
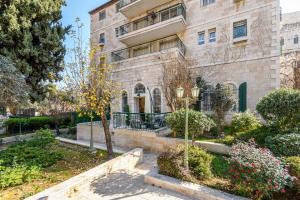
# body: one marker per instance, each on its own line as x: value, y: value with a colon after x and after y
x: 75, y: 161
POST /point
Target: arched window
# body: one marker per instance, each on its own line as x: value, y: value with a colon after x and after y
x: 139, y: 89
x: 207, y: 98
x: 157, y: 100
x: 234, y: 90
x: 296, y: 39
x: 124, y: 101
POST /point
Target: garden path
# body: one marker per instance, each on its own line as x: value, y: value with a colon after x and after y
x: 126, y: 185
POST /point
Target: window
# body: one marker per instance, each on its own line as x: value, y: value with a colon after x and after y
x: 296, y: 39
x: 201, y: 38
x: 118, y: 6
x: 240, y: 29
x: 157, y: 100
x: 102, y: 15
x: 234, y: 91
x: 281, y: 41
x: 141, y: 50
x: 117, y: 32
x: 207, y: 94
x: 102, y: 38
x: 212, y: 35
x: 139, y: 89
x: 124, y: 102
x: 207, y: 2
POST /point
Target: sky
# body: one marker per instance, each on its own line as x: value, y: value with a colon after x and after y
x: 80, y: 8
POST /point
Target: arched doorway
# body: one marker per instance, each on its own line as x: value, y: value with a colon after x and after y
x: 140, y: 98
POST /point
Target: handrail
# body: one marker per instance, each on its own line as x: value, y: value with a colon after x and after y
x: 153, y: 18
x: 153, y: 46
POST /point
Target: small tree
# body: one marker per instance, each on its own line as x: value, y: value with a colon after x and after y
x: 198, y: 122
x: 222, y: 101
x: 175, y: 73
x: 99, y: 91
x: 13, y: 89
x: 281, y: 108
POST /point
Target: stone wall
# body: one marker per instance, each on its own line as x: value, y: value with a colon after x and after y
x: 147, y: 140
x: 254, y: 60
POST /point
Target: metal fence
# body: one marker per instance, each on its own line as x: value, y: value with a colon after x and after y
x: 153, y: 18
x: 139, y: 121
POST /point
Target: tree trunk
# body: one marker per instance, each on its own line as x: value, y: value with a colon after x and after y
x: 92, y: 136
x: 107, y: 136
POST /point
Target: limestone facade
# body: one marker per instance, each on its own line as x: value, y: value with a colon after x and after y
x: 253, y: 59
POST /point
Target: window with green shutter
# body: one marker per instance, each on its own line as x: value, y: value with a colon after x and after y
x: 243, y: 97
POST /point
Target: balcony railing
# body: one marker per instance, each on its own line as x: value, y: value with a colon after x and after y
x: 153, y: 18
x: 124, y: 3
x: 148, y: 48
x: 139, y: 121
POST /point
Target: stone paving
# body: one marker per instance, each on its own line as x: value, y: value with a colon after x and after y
x: 125, y: 185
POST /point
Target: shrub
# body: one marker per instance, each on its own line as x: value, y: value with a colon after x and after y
x: 35, y: 152
x: 281, y: 107
x: 17, y: 174
x: 259, y: 134
x: 222, y: 101
x: 257, y: 170
x: 284, y: 145
x: 200, y: 163
x: 171, y: 163
x: 244, y: 122
x: 198, y: 122
x: 294, y: 165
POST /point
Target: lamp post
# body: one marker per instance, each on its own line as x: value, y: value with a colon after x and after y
x: 195, y: 94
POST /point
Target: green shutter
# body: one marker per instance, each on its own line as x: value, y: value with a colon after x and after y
x: 243, y: 97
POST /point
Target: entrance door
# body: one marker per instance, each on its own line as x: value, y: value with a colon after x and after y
x: 141, y: 104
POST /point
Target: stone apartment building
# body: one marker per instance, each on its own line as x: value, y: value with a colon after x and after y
x: 234, y: 42
x: 290, y: 50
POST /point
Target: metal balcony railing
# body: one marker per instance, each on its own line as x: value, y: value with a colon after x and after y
x: 148, y: 48
x: 139, y: 121
x: 153, y: 18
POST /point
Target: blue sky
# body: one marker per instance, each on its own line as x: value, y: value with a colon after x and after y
x: 80, y: 8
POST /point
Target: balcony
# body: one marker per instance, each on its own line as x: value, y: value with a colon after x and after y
x: 148, y: 48
x: 133, y: 8
x: 157, y: 25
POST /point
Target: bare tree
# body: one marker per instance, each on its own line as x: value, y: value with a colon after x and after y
x: 290, y: 70
x: 175, y: 73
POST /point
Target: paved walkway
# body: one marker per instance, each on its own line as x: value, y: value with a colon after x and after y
x: 125, y: 185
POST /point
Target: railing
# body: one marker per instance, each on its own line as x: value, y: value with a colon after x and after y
x: 153, y: 18
x: 124, y: 3
x: 139, y: 121
x: 148, y: 48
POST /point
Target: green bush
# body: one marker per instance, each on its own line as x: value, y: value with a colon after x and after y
x: 259, y: 134
x: 281, y: 108
x: 258, y: 170
x: 284, y: 145
x: 171, y: 163
x: 18, y: 174
x: 244, y: 122
x: 35, y: 152
x: 198, y: 122
x: 294, y: 167
x: 200, y: 163
x: 28, y: 124
x: 294, y: 164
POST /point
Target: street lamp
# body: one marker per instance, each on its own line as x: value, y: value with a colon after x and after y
x: 195, y: 94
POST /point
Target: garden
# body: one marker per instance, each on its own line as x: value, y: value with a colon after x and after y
x: 29, y: 167
x: 264, y: 161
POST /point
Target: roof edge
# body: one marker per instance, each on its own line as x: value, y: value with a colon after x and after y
x: 105, y: 5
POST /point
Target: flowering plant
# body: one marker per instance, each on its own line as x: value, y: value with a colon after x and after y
x: 258, y: 170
